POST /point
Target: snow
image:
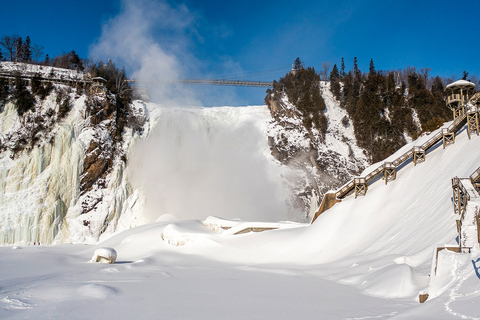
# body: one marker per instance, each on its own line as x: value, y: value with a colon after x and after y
x: 104, y: 255
x: 365, y: 258
x: 44, y: 71
x: 461, y: 83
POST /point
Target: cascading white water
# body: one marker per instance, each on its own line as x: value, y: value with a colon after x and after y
x: 210, y: 161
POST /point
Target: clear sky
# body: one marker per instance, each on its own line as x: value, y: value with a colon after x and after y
x: 257, y: 39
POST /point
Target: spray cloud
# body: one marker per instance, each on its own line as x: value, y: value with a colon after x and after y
x: 195, y: 162
x: 152, y: 39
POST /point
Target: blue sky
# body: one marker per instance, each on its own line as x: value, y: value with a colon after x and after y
x: 260, y: 39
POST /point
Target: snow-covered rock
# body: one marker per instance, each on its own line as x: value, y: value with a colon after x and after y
x: 104, y: 255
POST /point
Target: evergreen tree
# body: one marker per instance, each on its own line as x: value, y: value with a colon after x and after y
x: 24, y: 100
x: 335, y: 82
x: 342, y: 69
x: 298, y: 64
x: 357, y: 80
x: 356, y: 70
x: 464, y: 75
x: 27, y: 50
x: 303, y: 90
x: 4, y: 90
x: 371, y: 70
x: 75, y: 60
x: 1, y: 55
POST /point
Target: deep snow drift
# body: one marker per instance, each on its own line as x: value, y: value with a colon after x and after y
x: 365, y: 258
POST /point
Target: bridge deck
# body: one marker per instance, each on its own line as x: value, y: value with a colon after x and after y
x: 210, y: 82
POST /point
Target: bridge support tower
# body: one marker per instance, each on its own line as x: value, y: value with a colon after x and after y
x: 361, y: 186
x: 389, y: 172
x: 448, y: 137
x: 418, y: 155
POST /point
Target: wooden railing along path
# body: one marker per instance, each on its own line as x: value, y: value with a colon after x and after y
x: 360, y: 184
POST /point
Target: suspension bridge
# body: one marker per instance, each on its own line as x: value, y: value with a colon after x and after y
x: 239, y: 79
x: 238, y: 83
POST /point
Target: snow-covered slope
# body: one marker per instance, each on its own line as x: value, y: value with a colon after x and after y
x: 365, y: 258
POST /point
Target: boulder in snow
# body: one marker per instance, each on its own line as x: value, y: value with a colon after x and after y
x: 104, y: 255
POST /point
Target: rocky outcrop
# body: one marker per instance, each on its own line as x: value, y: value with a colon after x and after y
x: 325, y: 161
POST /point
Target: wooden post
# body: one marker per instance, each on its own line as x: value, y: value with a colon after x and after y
x: 448, y: 137
x: 472, y: 122
x: 418, y: 155
x: 361, y: 187
x: 389, y: 172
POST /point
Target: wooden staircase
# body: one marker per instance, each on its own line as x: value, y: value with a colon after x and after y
x: 359, y: 185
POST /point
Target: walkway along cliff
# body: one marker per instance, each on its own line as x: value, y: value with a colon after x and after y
x: 465, y: 108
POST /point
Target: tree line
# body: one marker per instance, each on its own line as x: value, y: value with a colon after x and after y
x: 18, y: 49
x: 385, y: 107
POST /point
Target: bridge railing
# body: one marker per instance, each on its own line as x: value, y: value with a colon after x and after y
x: 211, y: 82
x: 475, y: 176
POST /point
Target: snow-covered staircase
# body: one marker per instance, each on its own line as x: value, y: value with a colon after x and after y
x: 467, y: 223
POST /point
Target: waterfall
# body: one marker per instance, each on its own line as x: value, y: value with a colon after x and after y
x: 210, y: 161
x: 194, y: 163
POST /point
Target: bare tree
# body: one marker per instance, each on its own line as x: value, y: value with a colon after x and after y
x: 325, y: 70
x: 475, y: 80
x: 37, y: 52
x: 424, y: 72
x: 9, y: 43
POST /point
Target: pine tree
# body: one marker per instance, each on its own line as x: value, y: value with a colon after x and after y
x: 356, y: 71
x: 357, y: 80
x: 24, y: 100
x: 371, y: 70
x: 342, y: 69
x: 298, y: 64
x: 27, y: 50
x: 75, y: 60
x: 335, y: 82
x: 465, y: 75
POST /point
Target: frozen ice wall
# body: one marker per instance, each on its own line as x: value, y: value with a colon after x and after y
x: 38, y: 187
x: 40, y: 198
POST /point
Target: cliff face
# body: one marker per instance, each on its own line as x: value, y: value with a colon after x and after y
x: 62, y: 167
x: 324, y: 161
x: 64, y: 163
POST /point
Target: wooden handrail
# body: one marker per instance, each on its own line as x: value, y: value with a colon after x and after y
x: 454, y: 127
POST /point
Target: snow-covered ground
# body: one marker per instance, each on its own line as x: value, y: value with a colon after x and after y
x: 366, y: 258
